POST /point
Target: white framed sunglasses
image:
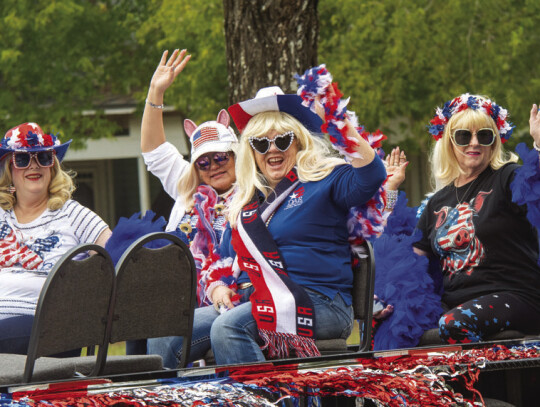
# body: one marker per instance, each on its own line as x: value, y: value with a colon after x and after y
x: 281, y: 141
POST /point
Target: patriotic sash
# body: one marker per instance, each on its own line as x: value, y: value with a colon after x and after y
x: 282, y: 309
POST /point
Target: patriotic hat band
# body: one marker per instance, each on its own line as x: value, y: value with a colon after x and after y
x: 272, y: 99
x: 211, y: 136
x: 29, y: 137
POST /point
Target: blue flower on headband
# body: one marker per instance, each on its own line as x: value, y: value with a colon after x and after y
x: 32, y: 139
x: 472, y: 102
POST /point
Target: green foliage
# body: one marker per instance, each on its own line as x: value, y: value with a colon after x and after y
x: 59, y: 58
x: 196, y: 25
x: 396, y: 58
x: 401, y: 59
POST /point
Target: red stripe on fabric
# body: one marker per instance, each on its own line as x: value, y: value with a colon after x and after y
x: 240, y: 116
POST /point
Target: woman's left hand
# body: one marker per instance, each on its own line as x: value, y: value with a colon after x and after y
x: 534, y: 124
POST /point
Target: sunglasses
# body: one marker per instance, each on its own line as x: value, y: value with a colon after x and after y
x: 262, y: 144
x: 463, y: 137
x: 204, y: 162
x: 22, y: 159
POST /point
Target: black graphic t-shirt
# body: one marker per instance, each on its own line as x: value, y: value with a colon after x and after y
x: 485, y: 243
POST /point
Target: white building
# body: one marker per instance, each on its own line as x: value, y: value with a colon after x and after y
x: 111, y: 175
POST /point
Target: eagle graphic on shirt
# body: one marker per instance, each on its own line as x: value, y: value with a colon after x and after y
x: 455, y: 239
x: 14, y: 253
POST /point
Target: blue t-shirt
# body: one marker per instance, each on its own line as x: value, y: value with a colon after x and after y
x: 310, y: 227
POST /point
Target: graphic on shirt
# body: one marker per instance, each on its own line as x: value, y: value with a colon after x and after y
x: 455, y: 239
x: 295, y: 199
x: 29, y: 257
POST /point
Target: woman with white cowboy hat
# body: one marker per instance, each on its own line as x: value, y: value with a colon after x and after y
x: 289, y: 218
x: 39, y: 222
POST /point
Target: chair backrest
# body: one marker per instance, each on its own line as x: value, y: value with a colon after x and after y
x: 363, y: 293
x: 155, y: 291
x: 73, y: 306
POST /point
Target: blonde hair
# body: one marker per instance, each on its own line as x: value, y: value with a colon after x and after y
x: 61, y: 187
x: 444, y: 165
x: 313, y: 159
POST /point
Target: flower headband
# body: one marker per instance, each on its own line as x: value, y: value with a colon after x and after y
x: 467, y: 101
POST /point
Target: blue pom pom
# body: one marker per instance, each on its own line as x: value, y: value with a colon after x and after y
x: 130, y: 229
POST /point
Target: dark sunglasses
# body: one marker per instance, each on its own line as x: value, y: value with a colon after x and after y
x: 262, y: 144
x: 463, y: 137
x: 204, y: 162
x: 22, y: 159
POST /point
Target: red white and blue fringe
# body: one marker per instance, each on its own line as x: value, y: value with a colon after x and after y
x: 412, y: 377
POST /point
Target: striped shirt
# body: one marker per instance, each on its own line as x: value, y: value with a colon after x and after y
x: 29, y: 251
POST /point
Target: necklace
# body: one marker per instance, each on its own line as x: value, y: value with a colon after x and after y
x: 466, y: 192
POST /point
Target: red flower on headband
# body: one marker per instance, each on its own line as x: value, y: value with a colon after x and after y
x: 47, y: 140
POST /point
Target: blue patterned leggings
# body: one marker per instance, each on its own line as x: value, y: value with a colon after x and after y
x: 477, y: 319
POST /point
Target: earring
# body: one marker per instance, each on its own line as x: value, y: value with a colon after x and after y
x: 11, y: 189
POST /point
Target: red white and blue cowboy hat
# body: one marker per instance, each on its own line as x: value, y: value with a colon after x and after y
x: 273, y: 99
x: 30, y: 138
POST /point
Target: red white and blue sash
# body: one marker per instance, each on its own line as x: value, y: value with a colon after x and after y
x: 282, y: 309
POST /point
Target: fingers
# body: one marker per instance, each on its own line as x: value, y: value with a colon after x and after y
x: 181, y: 62
x: 173, y: 57
x: 396, y: 158
x: 224, y: 303
x: 227, y: 301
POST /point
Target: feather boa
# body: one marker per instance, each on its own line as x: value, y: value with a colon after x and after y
x: 367, y: 220
x: 130, y: 229
x: 406, y: 281
x: 205, y: 241
x: 526, y: 184
x: 402, y: 279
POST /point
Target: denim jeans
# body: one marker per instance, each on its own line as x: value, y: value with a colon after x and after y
x: 234, y: 336
x: 15, y: 334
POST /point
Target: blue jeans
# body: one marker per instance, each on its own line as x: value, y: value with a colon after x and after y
x: 15, y: 334
x: 234, y: 336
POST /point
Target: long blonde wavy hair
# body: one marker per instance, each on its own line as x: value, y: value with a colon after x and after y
x: 444, y: 165
x: 314, y: 160
x: 61, y: 187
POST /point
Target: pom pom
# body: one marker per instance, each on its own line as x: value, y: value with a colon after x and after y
x: 403, y: 281
x: 130, y: 229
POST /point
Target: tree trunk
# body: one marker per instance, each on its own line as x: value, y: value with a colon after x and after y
x: 268, y: 41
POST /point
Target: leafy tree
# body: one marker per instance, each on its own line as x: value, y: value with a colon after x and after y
x: 404, y: 58
x: 59, y: 58
x: 196, y: 25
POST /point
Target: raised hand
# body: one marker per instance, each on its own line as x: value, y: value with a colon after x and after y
x: 534, y: 124
x: 396, y: 163
x: 168, y: 70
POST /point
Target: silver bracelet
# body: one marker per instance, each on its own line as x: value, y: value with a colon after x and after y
x: 154, y: 105
x: 536, y: 147
x: 391, y: 199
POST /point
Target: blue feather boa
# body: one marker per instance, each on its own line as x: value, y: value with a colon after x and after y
x: 526, y: 184
x: 404, y: 280
x: 130, y: 229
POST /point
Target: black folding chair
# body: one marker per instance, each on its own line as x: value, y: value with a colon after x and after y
x: 71, y: 313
